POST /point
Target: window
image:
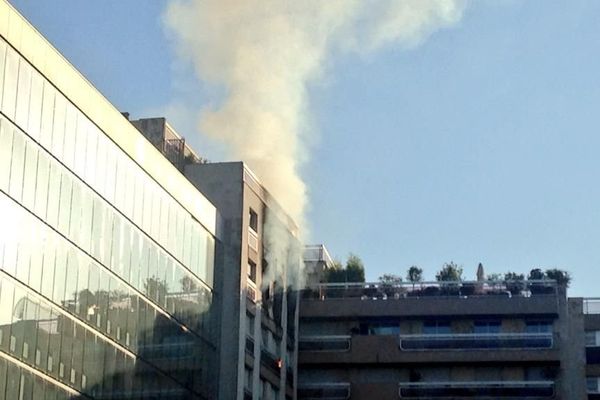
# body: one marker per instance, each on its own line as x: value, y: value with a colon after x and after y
x: 253, y: 220
x: 593, y: 384
x: 252, y: 271
x: 487, y: 326
x: 436, y: 327
x: 538, y: 326
x: 592, y: 338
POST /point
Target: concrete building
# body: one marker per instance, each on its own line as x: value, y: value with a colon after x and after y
x: 261, y: 256
x: 454, y: 340
x: 591, y: 310
x: 258, y: 258
x: 106, y: 250
x: 316, y: 263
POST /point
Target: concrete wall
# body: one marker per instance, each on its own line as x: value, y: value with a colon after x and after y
x: 222, y: 184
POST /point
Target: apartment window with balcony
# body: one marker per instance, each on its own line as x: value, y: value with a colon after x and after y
x: 436, y: 327
x: 492, y: 326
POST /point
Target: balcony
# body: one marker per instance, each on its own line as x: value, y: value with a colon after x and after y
x: 479, y: 389
x: 324, y: 343
x: 271, y: 361
x: 428, y: 349
x: 324, y: 391
x: 475, y: 341
x: 342, y: 300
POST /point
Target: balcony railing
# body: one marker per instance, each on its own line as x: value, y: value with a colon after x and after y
x: 379, y: 291
x: 591, y: 305
x: 476, y: 341
x: 324, y: 343
x: 271, y: 361
x: 324, y: 391
x: 252, y: 239
x: 479, y: 389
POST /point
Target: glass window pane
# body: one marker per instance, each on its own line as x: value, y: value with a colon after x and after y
x: 2, y: 63
x: 6, y: 138
x: 35, y: 105
x: 30, y: 175
x: 47, y: 115
x: 11, y: 73
x: 15, y: 187
x: 80, y: 145
x: 23, y: 93
x: 70, y: 134
x: 64, y: 208
x: 53, y: 195
x: 41, y: 188
x: 58, y: 126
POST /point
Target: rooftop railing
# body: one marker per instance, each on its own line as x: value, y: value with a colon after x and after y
x: 324, y: 391
x: 381, y: 291
x: 477, y: 389
x: 591, y: 305
x: 476, y: 341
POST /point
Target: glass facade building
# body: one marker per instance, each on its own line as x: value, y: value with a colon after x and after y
x: 106, y: 256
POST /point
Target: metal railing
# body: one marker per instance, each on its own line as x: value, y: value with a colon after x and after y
x: 324, y: 343
x: 477, y: 389
x: 324, y: 391
x: 380, y: 291
x: 591, y: 305
x: 476, y: 341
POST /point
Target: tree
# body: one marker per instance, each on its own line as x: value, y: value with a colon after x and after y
x: 514, y: 282
x: 355, y: 269
x: 414, y: 274
x: 449, y: 272
x: 353, y: 272
x: 390, y: 279
x: 562, y: 278
x: 536, y: 274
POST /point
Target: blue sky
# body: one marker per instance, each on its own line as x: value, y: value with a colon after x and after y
x: 480, y: 145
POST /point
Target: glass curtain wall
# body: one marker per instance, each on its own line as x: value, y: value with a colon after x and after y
x: 105, y: 280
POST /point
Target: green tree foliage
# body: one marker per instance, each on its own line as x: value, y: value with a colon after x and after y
x: 562, y: 278
x: 536, y: 274
x: 449, y: 272
x: 353, y: 272
x: 414, y: 274
x: 513, y: 276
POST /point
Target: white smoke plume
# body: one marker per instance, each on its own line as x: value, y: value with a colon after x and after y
x: 263, y: 53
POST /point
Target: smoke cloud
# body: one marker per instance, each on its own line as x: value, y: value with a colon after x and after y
x: 263, y: 53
